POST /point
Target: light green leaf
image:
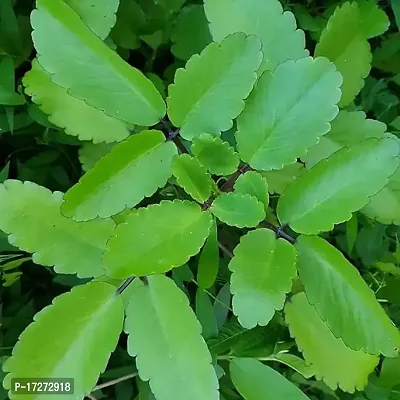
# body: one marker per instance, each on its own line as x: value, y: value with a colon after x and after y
x: 343, y: 299
x: 384, y: 207
x: 215, y: 154
x: 15, y: 263
x: 30, y: 214
x: 165, y: 336
x: 278, y: 180
x: 262, y: 272
x: 192, y: 176
x: 347, y: 129
x: 134, y: 169
x: 90, y: 153
x: 73, y: 55
x: 253, y: 184
x: 207, y: 269
x: 387, y: 268
x: 156, y: 239
x: 333, y: 189
x: 208, y: 94
x: 205, y: 314
x: 256, y: 381
x: 276, y: 128
x: 333, y: 362
x: 75, y: 116
x: 191, y: 33
x: 7, y: 83
x: 72, y: 338
x: 374, y: 21
x: 281, y: 41
x: 98, y: 15
x: 241, y: 210
x: 343, y: 42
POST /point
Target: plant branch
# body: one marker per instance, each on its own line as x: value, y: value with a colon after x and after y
x: 174, y: 136
x: 215, y: 298
x: 114, y: 381
x: 228, y: 185
x: 125, y: 285
x: 225, y: 249
x: 279, y: 232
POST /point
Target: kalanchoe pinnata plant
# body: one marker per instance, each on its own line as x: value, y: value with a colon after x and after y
x: 163, y: 185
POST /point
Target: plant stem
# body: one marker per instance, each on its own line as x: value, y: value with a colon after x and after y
x: 125, y: 285
x: 279, y: 232
x: 115, y: 381
x: 225, y: 249
x: 228, y: 185
x: 211, y: 295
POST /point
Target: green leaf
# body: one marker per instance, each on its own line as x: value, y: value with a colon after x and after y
x: 222, y: 305
x: 75, y: 116
x: 343, y: 299
x: 387, y: 56
x: 192, y: 177
x: 215, y: 154
x: 72, y: 338
x: 347, y: 129
x: 107, y: 189
x: 230, y: 335
x: 207, y: 269
x: 156, y: 239
x: 241, y: 210
x: 7, y: 83
x: 256, y: 381
x: 387, y: 268
x: 191, y: 33
x: 14, y: 121
x: 131, y: 21
x: 351, y: 233
x: 296, y: 118
x: 165, y: 336
x: 10, y: 35
x: 205, y: 314
x: 208, y: 94
x: 5, y: 172
x: 262, y: 272
x: 333, y: 362
x: 294, y: 362
x: 390, y: 373
x: 384, y: 207
x: 280, y: 39
x: 98, y: 15
x: 374, y: 21
x: 73, y: 54
x: 30, y: 214
x: 333, y: 189
x: 343, y: 42
x: 90, y: 153
x: 396, y: 11
x: 278, y: 180
x: 253, y: 184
